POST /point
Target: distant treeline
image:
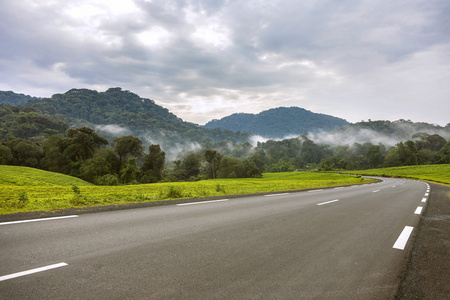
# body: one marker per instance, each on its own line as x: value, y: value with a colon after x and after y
x: 83, y: 153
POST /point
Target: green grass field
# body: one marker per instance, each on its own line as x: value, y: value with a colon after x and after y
x: 24, y: 176
x: 435, y: 173
x: 26, y: 189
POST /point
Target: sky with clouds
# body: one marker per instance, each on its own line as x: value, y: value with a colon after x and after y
x: 206, y: 59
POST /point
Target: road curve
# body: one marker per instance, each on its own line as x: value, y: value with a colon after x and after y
x: 321, y: 244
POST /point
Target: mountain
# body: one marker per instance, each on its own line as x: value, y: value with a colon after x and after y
x: 9, y: 97
x: 278, y: 122
x: 117, y: 112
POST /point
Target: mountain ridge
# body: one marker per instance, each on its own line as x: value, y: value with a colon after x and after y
x: 279, y: 122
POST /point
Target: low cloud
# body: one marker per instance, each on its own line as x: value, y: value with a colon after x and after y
x: 351, y: 136
x: 113, y: 129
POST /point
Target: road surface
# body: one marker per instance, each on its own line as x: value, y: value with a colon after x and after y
x: 338, y: 243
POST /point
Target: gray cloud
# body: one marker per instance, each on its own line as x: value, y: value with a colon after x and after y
x: 205, y: 59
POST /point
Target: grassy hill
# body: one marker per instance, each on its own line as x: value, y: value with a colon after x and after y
x: 436, y: 173
x: 27, y: 189
x: 25, y: 176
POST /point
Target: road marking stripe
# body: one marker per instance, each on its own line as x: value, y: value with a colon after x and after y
x: 424, y: 199
x: 339, y: 187
x: 272, y: 195
x: 418, y: 210
x: 202, y: 202
x: 32, y: 271
x: 314, y: 191
x: 328, y: 202
x: 38, y: 220
x: 403, y: 238
x: 426, y: 194
x: 376, y: 191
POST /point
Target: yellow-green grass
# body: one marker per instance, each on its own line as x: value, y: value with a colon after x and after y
x: 435, y: 173
x: 21, y: 198
x: 24, y: 176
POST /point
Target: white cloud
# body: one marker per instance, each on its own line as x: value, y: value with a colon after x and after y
x: 155, y: 37
x: 207, y: 59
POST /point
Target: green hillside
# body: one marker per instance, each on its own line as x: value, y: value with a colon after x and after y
x: 279, y: 122
x: 128, y: 113
x: 437, y: 173
x: 25, y: 176
x: 9, y: 97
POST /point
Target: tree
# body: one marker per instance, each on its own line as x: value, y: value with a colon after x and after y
x: 374, y: 156
x: 25, y: 153
x: 104, y: 162
x: 126, y: 146
x: 129, y: 173
x: 213, y: 158
x: 6, y: 156
x: 192, y: 165
x: 83, y: 142
x: 54, y: 159
x: 445, y: 154
x: 392, y: 158
x: 435, y: 142
x: 153, y: 164
x: 310, y: 152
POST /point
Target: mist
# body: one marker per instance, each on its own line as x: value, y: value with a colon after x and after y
x: 351, y: 134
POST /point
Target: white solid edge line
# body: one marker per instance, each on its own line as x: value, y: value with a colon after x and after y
x: 322, y: 203
x: 272, y: 195
x: 38, y: 220
x: 403, y: 238
x: 314, y: 191
x: 201, y: 202
x: 418, y: 210
x: 32, y: 271
x: 424, y: 200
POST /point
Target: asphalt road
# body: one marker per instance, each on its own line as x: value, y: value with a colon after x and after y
x: 322, y: 244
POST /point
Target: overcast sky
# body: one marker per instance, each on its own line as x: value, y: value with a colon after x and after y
x: 206, y: 59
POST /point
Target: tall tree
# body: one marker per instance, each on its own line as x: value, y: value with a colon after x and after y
x: 126, y: 146
x: 6, y: 156
x: 83, y: 142
x: 192, y: 165
x: 374, y: 156
x: 213, y: 158
x: 153, y: 164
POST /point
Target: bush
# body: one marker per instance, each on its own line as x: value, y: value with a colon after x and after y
x: 220, y: 188
x: 174, y: 192
x: 107, y: 179
x: 23, y: 200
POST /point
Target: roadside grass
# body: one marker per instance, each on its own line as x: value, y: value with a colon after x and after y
x: 19, y: 194
x: 25, y: 176
x: 435, y: 173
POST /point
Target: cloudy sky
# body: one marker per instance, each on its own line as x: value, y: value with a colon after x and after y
x: 205, y: 59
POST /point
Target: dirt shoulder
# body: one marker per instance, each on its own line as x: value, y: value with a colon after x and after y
x: 427, y: 274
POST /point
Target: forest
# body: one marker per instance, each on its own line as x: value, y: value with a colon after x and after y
x: 62, y: 134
